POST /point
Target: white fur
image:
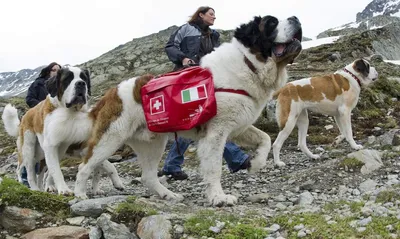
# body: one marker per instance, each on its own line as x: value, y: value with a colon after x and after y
x: 11, y: 120
x: 340, y: 109
x: 235, y: 116
x: 62, y: 128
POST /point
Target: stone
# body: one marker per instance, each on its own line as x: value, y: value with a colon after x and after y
x: 367, y: 186
x: 371, y: 159
x: 96, y: 233
x: 65, y: 232
x: 306, y: 198
x: 258, y: 197
x: 19, y: 219
x: 156, y: 226
x: 76, y: 221
x: 95, y: 207
x: 112, y: 230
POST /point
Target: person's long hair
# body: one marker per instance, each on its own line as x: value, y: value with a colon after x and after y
x: 45, y: 72
x: 195, y: 18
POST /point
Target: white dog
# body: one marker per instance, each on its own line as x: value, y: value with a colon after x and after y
x: 49, y: 128
x: 254, y: 61
x: 335, y: 95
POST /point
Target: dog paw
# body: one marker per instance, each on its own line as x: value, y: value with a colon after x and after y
x: 99, y: 192
x: 220, y: 200
x: 175, y: 197
x: 50, y: 189
x: 315, y: 156
x: 280, y: 164
x: 357, y: 147
x: 119, y: 186
x: 81, y: 196
x: 65, y: 191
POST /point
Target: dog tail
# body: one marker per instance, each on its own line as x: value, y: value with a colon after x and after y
x: 139, y: 83
x: 10, y: 120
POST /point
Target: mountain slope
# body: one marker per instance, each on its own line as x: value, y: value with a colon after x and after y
x: 379, y: 7
x: 17, y: 83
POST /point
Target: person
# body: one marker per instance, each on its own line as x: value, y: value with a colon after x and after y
x: 187, y: 45
x: 36, y: 93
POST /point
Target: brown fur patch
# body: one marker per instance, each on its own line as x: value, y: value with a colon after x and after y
x: 319, y: 88
x: 107, y: 110
x: 139, y: 83
x: 33, y: 120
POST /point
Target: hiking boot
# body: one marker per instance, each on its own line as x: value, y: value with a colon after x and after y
x: 245, y: 165
x: 175, y: 175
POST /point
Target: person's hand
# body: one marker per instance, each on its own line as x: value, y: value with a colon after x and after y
x: 187, y: 61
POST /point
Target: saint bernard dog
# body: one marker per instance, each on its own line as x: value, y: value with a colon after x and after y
x: 48, y: 129
x: 335, y: 95
x: 254, y: 61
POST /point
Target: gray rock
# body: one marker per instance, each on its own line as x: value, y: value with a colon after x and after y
x: 76, y: 221
x: 371, y: 159
x: 371, y: 139
x: 179, y: 229
x: 396, y: 139
x: 273, y: 228
x: 361, y: 229
x: 112, y: 230
x: 115, y: 158
x: 299, y: 227
x: 376, y: 58
x: 306, y: 198
x: 367, y: 186
x: 301, y: 234
x: 19, y: 219
x: 156, y: 226
x: 95, y: 233
x: 218, y: 227
x: 258, y: 197
x: 364, y: 222
x: 94, y: 207
x: 387, y: 138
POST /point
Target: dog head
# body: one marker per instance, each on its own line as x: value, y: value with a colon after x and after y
x: 71, y: 86
x: 270, y: 37
x: 363, y: 70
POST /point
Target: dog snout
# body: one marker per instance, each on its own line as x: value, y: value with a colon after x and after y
x: 80, y: 84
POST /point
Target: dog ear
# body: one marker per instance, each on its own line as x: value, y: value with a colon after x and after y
x: 52, y: 84
x: 248, y: 33
x: 269, y: 25
x: 361, y: 67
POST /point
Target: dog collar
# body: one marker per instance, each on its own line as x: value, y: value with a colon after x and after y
x: 354, y: 76
x: 250, y: 65
x: 240, y: 92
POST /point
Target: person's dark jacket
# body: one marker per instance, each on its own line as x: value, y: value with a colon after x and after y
x: 37, y: 92
x: 186, y: 42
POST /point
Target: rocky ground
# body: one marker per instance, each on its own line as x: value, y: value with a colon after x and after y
x: 337, y: 196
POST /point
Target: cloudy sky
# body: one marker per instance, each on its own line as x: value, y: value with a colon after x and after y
x: 37, y: 32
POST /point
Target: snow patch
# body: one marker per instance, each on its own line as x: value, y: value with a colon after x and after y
x: 318, y: 42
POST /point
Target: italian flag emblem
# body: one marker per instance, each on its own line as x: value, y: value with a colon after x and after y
x: 193, y: 94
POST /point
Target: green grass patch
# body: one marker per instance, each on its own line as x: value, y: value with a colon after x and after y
x: 248, y: 226
x: 12, y: 193
x: 351, y: 163
x: 387, y: 196
x: 320, y: 228
x: 131, y: 212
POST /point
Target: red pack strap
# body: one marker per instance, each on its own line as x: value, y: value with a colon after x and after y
x: 240, y: 92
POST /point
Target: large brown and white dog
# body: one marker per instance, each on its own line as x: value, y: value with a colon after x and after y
x: 254, y: 61
x: 335, y: 95
x: 49, y: 128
